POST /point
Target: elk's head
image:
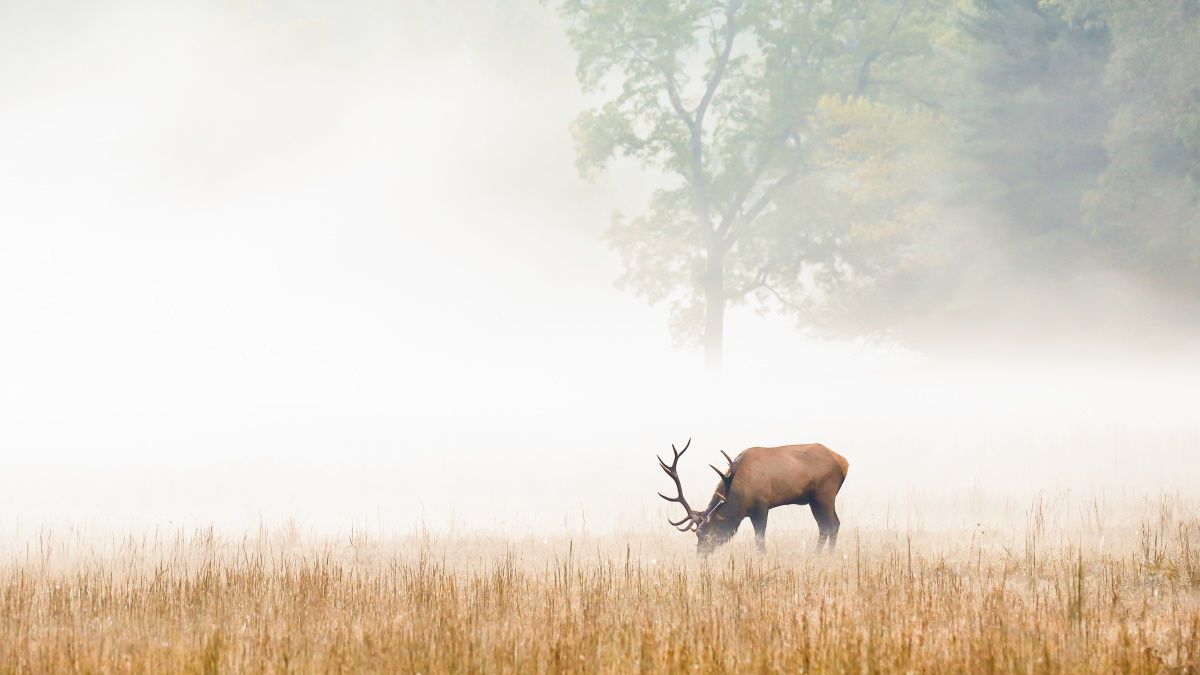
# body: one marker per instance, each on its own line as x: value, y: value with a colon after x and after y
x: 711, y: 528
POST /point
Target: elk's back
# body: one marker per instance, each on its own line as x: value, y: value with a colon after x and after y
x: 788, y: 474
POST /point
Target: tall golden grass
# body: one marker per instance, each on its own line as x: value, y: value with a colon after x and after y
x: 1035, y: 598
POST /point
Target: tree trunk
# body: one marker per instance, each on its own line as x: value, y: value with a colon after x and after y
x: 714, y: 315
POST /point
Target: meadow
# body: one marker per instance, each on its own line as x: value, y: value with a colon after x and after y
x: 1054, y: 584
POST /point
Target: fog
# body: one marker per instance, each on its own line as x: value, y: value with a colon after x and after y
x: 335, y: 265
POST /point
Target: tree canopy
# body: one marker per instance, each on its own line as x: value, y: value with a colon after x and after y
x: 810, y: 152
x: 742, y: 105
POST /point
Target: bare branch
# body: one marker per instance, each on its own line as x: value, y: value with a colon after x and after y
x: 781, y: 299
x: 760, y: 280
x: 735, y: 209
x: 764, y: 200
x: 768, y: 195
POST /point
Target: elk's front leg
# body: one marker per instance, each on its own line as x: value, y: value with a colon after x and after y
x: 759, y: 519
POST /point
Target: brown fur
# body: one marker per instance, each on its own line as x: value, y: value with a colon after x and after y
x: 764, y: 478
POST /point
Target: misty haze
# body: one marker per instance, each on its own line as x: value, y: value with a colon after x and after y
x: 415, y: 292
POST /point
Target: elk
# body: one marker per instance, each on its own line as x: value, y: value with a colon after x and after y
x: 758, y: 480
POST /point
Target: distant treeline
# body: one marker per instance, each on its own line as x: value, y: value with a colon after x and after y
x: 899, y: 167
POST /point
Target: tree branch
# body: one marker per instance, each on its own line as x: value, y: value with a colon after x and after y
x: 695, y: 121
x: 677, y: 103
x: 865, y: 69
x: 699, y: 185
x: 735, y: 209
x: 714, y: 80
x: 760, y: 280
x: 780, y: 298
x: 764, y: 200
x: 672, y: 88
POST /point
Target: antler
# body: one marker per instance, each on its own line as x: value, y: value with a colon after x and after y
x: 673, y: 471
x: 726, y: 476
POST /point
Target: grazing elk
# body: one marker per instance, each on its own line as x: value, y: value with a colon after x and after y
x: 756, y: 482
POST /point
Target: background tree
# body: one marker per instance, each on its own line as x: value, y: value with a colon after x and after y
x: 1145, y: 207
x: 1033, y: 110
x: 737, y: 104
x: 1017, y: 140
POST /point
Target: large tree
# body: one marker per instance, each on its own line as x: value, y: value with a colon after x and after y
x: 741, y: 104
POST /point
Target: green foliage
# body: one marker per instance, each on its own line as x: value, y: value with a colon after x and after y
x: 1145, y: 207
x: 884, y: 167
x: 864, y: 164
x: 746, y: 108
x: 1035, y: 121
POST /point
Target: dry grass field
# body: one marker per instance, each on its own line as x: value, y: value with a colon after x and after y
x: 1078, y: 588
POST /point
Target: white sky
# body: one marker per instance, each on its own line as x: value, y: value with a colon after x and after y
x: 259, y: 261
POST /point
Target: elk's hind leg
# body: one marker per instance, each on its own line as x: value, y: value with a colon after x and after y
x: 758, y: 518
x: 827, y: 522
